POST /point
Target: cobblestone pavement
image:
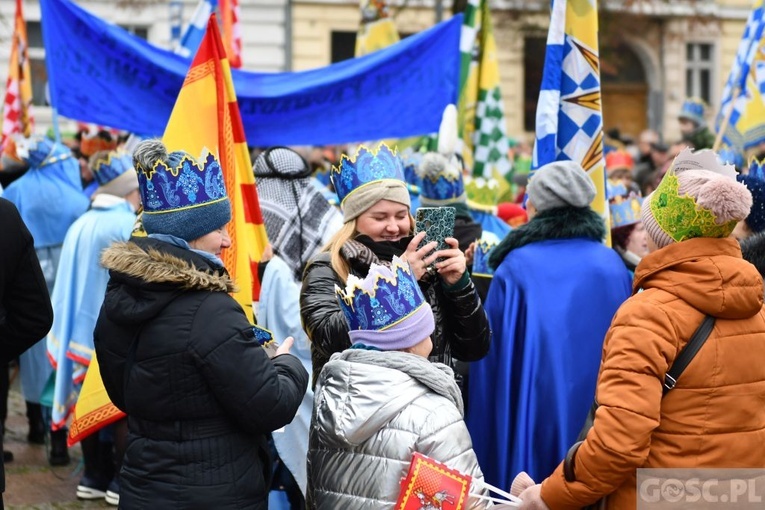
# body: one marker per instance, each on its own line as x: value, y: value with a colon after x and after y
x: 31, y: 484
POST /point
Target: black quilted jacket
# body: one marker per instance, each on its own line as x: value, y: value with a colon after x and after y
x: 200, y: 393
x: 462, y: 328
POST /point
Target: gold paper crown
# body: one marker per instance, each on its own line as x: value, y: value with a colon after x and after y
x: 482, y: 194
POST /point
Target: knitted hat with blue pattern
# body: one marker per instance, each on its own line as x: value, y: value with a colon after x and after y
x: 181, y: 195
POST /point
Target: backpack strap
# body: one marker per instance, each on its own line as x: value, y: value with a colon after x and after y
x: 688, y: 353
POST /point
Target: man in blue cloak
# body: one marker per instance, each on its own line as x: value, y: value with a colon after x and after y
x: 77, y: 298
x: 555, y: 290
x: 49, y: 198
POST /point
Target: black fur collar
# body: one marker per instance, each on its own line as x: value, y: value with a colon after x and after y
x: 559, y: 223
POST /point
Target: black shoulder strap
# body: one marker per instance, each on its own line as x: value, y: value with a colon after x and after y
x: 688, y: 353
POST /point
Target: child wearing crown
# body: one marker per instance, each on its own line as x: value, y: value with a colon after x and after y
x: 378, y: 225
x: 380, y: 401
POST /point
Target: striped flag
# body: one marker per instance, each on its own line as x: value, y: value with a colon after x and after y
x: 481, y: 112
x: 377, y: 29
x: 744, y: 91
x: 196, y: 29
x: 93, y: 410
x: 232, y: 31
x: 206, y: 116
x: 17, y: 117
x: 569, y: 124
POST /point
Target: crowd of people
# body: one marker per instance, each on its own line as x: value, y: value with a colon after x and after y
x: 529, y: 350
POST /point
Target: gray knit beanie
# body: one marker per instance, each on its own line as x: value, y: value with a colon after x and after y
x: 561, y: 184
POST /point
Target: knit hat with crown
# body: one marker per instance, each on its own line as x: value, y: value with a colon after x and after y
x: 698, y: 197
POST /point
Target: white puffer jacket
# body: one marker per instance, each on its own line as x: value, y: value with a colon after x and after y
x: 372, y: 411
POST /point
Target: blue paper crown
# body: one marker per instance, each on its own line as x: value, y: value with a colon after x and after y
x: 366, y: 167
x: 481, y: 257
x: 106, y: 169
x: 441, y: 178
x: 731, y: 156
x: 625, y: 210
x: 181, y: 185
x: 615, y: 189
x: 384, y: 298
x: 39, y: 151
x: 693, y: 109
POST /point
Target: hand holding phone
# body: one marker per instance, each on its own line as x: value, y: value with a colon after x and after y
x: 438, y: 224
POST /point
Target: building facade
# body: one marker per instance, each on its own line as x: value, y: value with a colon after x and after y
x: 654, y: 53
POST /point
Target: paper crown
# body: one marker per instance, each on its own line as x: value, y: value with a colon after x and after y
x: 111, y: 165
x: 441, y: 178
x: 193, y: 191
x: 39, y: 151
x: 624, y: 205
x: 625, y: 210
x: 680, y: 216
x: 731, y: 156
x: 483, y: 249
x: 183, y: 184
x: 387, y: 296
x: 693, y: 109
x: 619, y: 160
x: 482, y: 193
x: 365, y: 167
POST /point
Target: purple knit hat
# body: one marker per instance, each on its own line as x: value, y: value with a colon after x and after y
x: 387, y: 309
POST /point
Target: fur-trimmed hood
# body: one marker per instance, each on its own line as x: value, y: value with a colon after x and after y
x: 158, y: 264
x: 146, y: 274
x: 558, y: 223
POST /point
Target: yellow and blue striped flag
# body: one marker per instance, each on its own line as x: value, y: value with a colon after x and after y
x: 745, y: 89
x: 569, y: 123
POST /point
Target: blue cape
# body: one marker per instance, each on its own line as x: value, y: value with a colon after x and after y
x: 77, y: 297
x: 549, y: 305
x: 49, y: 199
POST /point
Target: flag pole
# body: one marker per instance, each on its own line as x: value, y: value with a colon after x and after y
x: 726, y: 120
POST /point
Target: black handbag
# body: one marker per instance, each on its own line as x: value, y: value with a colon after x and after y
x: 670, y: 380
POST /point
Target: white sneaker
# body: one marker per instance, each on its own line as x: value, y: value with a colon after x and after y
x: 112, y: 498
x: 85, y: 492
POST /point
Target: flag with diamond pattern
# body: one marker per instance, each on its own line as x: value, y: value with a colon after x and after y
x: 481, y: 114
x: 744, y: 91
x: 569, y: 122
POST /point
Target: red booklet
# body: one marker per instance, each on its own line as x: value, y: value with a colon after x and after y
x: 430, y: 485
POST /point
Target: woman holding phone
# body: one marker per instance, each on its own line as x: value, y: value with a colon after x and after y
x: 378, y: 225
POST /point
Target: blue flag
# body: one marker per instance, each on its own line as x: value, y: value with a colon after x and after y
x: 99, y: 73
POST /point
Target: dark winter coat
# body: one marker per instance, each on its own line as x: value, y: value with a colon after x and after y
x: 753, y: 249
x: 200, y: 393
x: 462, y: 329
x: 25, y: 311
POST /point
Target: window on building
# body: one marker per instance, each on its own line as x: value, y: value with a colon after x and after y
x: 533, y: 63
x: 699, y: 70
x: 37, y: 58
x: 343, y: 45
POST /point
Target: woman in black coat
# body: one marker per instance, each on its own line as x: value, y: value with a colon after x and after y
x: 178, y: 355
x: 379, y: 225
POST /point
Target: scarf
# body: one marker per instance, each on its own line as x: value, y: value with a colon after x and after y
x: 298, y: 218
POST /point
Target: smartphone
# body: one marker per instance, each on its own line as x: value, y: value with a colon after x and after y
x: 437, y: 223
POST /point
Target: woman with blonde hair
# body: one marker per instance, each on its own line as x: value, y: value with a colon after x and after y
x: 378, y: 225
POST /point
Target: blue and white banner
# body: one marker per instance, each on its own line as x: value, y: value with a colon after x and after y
x: 99, y: 73
x: 196, y: 29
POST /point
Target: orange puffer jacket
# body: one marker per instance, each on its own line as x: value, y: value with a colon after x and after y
x: 715, y: 416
